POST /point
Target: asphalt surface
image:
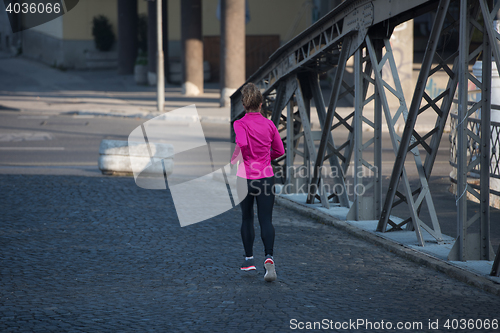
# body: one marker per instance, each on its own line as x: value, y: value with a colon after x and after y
x: 99, y: 254
x: 29, y: 139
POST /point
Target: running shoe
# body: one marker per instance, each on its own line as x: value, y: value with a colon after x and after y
x: 270, y: 269
x: 248, y: 265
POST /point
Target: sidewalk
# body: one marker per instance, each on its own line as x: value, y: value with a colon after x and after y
x: 403, y: 243
x: 33, y: 88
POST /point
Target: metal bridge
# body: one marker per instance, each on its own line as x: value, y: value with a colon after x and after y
x: 361, y: 29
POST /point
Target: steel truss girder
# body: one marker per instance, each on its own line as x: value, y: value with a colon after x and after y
x: 364, y: 207
x: 337, y: 171
x: 288, y: 122
x: 474, y: 245
x: 326, y: 128
x: 409, y: 133
x: 494, y: 39
x: 297, y: 125
x: 391, y: 121
x: 308, y: 139
x: 284, y: 92
x: 293, y: 127
x: 317, y: 48
x: 307, y: 52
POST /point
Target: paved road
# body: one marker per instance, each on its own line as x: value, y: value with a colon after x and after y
x: 66, y: 144
x: 35, y: 139
x: 96, y: 254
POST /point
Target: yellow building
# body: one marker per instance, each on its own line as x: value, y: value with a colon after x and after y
x: 67, y: 40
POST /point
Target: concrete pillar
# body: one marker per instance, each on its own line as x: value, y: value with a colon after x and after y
x: 192, y: 48
x: 232, y: 53
x: 152, y: 44
x: 127, y: 36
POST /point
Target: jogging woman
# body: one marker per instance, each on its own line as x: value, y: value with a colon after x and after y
x: 257, y: 143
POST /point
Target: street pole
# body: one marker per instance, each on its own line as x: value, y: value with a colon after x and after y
x: 160, y: 74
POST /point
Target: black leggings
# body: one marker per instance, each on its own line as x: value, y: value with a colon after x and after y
x: 262, y: 191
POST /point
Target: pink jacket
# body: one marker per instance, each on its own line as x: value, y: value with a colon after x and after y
x: 258, y: 142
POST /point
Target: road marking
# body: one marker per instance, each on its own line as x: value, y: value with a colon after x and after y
x: 25, y: 136
x: 82, y: 116
x: 31, y: 148
x: 33, y: 117
x: 63, y: 123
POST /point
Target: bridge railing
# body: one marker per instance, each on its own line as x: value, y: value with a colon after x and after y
x: 473, y: 147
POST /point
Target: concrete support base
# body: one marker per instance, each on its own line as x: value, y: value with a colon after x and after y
x: 225, y: 100
x: 115, y: 158
x: 190, y: 89
x: 151, y: 79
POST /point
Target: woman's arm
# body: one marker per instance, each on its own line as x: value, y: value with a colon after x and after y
x: 236, y: 155
x: 277, y: 149
x: 241, y: 142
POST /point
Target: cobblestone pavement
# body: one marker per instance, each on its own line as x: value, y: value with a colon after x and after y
x: 102, y: 255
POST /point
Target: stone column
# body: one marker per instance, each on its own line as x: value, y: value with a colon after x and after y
x: 192, y: 48
x: 127, y: 36
x: 152, y: 44
x: 232, y: 52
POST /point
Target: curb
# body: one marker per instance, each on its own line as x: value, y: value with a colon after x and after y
x: 401, y: 250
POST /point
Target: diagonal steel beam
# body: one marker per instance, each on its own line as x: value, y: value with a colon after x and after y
x: 344, y: 55
x: 334, y: 162
x: 494, y: 36
x: 391, y: 120
x: 447, y: 101
x: 473, y: 245
x: 495, y: 270
x: 284, y: 92
x: 413, y: 112
x: 279, y: 103
x: 308, y: 139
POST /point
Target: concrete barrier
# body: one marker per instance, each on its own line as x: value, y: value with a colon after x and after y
x: 115, y: 157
